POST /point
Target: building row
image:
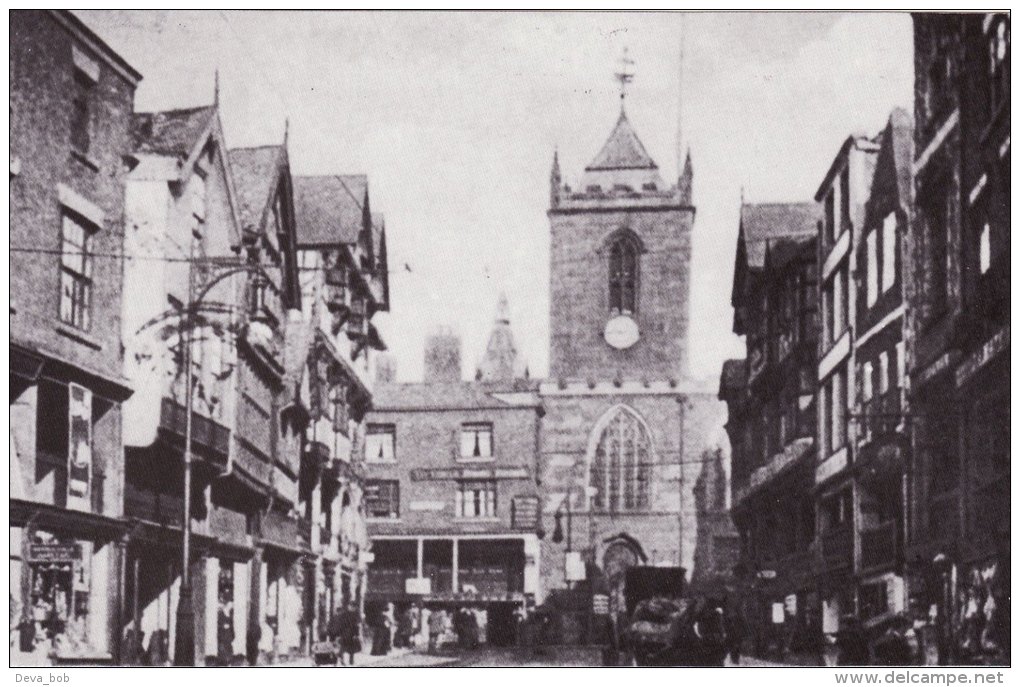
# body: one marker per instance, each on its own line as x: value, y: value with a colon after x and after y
x: 192, y: 349
x: 869, y: 422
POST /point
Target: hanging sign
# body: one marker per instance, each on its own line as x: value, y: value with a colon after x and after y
x: 79, y: 442
x: 600, y: 604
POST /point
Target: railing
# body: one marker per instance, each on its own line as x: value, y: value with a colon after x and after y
x: 228, y: 526
x: 152, y: 506
x: 881, y: 415
x: 878, y: 545
x: 280, y: 529
x: 211, y: 438
x: 837, y: 548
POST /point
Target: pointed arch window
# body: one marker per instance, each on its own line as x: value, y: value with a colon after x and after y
x: 621, y: 464
x: 623, y: 275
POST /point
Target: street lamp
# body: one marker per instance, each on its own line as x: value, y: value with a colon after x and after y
x: 565, y: 509
x: 184, y: 641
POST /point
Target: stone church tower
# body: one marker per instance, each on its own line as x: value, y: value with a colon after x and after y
x: 624, y: 429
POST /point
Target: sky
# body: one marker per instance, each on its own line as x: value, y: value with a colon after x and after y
x: 455, y: 117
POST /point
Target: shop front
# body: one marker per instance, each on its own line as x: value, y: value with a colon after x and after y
x: 64, y: 580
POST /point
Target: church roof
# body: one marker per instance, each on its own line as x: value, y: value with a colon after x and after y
x: 446, y: 395
x: 623, y: 150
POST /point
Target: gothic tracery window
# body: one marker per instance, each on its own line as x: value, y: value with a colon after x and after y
x: 621, y: 464
x: 623, y: 277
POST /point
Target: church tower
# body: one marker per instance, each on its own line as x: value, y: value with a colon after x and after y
x: 625, y: 428
x: 620, y: 266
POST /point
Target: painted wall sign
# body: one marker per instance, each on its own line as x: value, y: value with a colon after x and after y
x: 434, y: 474
x: 45, y: 553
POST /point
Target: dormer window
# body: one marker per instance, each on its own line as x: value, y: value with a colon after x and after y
x: 623, y: 276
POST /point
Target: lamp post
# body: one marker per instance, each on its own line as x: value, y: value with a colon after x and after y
x: 184, y: 640
x: 565, y: 509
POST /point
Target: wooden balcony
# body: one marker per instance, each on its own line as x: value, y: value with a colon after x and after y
x: 210, y: 441
x: 880, y: 417
x: 879, y: 546
x: 152, y: 506
x: 837, y: 548
x: 281, y: 530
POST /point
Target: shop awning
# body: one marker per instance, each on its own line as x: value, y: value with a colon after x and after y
x: 73, y: 522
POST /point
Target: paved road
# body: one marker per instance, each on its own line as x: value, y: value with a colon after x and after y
x: 507, y: 657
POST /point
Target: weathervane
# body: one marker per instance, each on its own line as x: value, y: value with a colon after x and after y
x: 625, y: 75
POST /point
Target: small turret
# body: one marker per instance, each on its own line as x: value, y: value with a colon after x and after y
x: 555, y: 181
x: 686, y: 182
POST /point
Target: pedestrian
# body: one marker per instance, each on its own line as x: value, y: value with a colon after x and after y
x: 382, y: 638
x: 736, y: 631
x: 711, y: 632
x: 892, y: 648
x: 348, y: 632
x: 437, y: 624
x: 852, y: 642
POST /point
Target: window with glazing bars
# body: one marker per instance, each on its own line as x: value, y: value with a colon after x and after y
x: 75, y: 273
x: 621, y: 466
x: 476, y: 441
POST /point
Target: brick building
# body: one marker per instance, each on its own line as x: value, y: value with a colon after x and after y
x: 71, y: 99
x: 771, y: 425
x: 451, y: 495
x: 957, y: 252
x: 625, y: 428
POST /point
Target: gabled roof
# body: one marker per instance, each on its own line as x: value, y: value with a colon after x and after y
x: 765, y: 224
x: 325, y: 211
x: 172, y: 132
x: 623, y: 150
x: 254, y: 171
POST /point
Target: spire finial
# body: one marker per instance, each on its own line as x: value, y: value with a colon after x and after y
x: 625, y: 74
x: 216, y: 87
x: 286, y: 130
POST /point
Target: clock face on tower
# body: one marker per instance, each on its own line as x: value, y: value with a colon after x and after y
x: 621, y: 332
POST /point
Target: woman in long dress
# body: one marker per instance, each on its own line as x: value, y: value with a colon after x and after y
x: 382, y: 640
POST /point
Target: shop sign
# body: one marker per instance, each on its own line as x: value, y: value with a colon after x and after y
x: 574, y: 567
x: 778, y: 613
x: 766, y: 574
x: 600, y: 604
x: 79, y: 442
x: 52, y: 553
x: 418, y: 585
x: 366, y: 557
x: 439, y: 474
x: 995, y: 345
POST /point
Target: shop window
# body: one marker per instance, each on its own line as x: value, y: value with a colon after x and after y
x: 874, y: 600
x: 476, y: 499
x: 380, y: 444
x: 382, y: 499
x: 476, y: 441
